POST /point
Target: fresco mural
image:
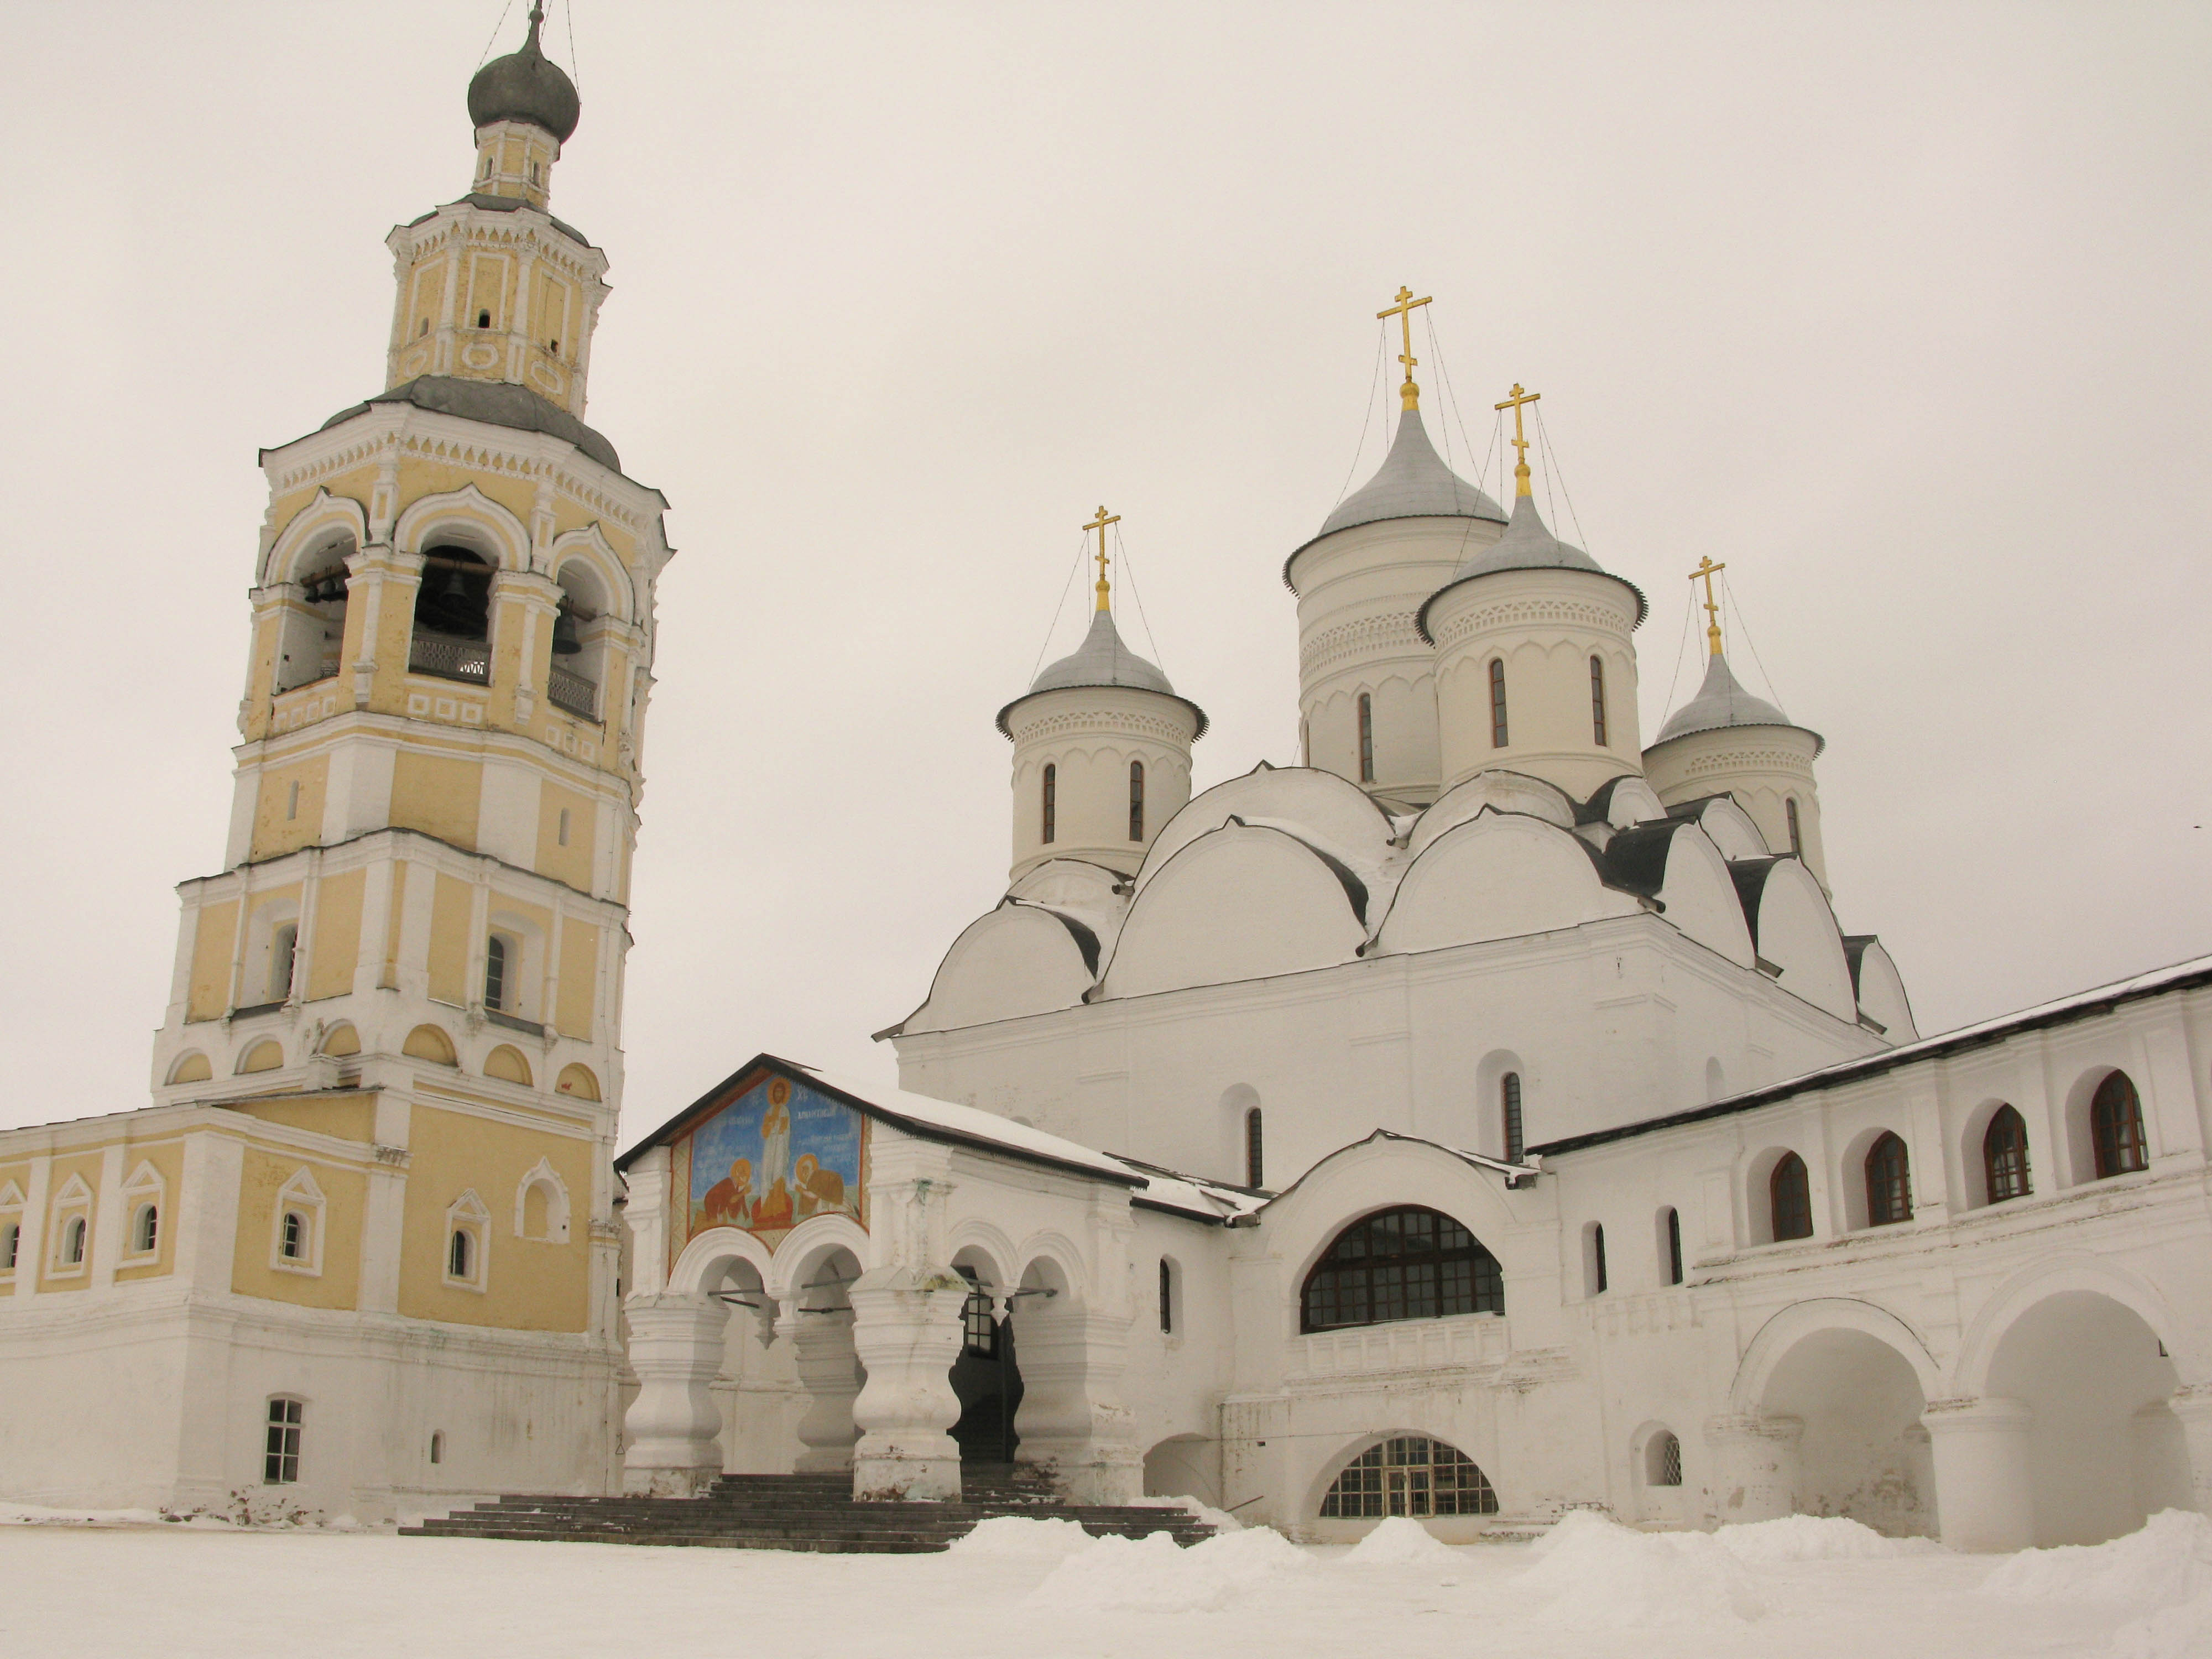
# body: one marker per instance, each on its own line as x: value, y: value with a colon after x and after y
x: 775, y: 1156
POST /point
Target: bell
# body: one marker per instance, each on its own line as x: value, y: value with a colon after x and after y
x: 565, y: 643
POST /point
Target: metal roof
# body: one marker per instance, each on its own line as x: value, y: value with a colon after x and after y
x: 1413, y: 482
x: 1102, y: 660
x: 496, y: 402
x: 1721, y: 701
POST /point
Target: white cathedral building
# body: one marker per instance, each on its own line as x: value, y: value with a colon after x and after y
x: 1485, y: 1118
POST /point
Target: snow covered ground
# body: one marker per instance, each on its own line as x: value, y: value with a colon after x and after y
x: 1021, y: 1588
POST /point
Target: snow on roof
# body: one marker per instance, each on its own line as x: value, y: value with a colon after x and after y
x: 2196, y: 970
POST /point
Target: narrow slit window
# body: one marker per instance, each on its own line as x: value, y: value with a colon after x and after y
x: 73, y: 1243
x: 438, y: 1447
x: 1796, y: 836
x: 1366, y: 738
x: 1597, y: 1279
x: 1051, y: 802
x: 460, y: 1254
x: 496, y: 973
x: 1497, y: 702
x: 1136, y: 800
x: 1673, y: 1246
x: 292, y: 802
x: 1509, y: 1105
x: 1167, y: 1297
x: 1254, y: 1165
x: 284, y: 954
x: 564, y: 830
x: 11, y: 1241
x: 1597, y: 700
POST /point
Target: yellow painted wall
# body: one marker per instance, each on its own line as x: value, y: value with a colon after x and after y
x: 278, y: 825
x: 345, y: 1192
x: 449, y: 940
x: 421, y: 476
x: 337, y: 933
x: 571, y: 864
x: 168, y: 1158
x: 344, y: 1117
x: 580, y: 979
x: 25, y: 1248
x: 530, y: 1285
x: 255, y: 981
x: 390, y: 978
x: 438, y: 794
x: 86, y: 1164
x: 209, y: 996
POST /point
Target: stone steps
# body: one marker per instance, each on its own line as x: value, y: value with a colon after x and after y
x: 810, y: 1512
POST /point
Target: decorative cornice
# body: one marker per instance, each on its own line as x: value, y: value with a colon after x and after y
x: 1390, y: 634
x: 1499, y: 616
x: 1102, y: 722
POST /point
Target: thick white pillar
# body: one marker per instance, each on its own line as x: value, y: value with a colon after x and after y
x: 907, y: 1332
x: 1071, y: 1420
x: 1982, y: 1496
x: 1754, y: 1466
x: 2192, y: 1404
x: 673, y: 1428
x: 830, y: 1374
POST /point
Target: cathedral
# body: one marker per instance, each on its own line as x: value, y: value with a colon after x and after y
x: 1485, y: 1118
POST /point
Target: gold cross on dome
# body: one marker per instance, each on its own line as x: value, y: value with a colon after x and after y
x: 1409, y: 395
x: 1520, y: 440
x: 1099, y: 524
x: 1707, y: 569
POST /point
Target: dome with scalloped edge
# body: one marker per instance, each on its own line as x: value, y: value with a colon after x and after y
x: 1102, y: 660
x: 526, y: 86
x: 1528, y: 545
x: 1413, y: 482
x: 1722, y: 702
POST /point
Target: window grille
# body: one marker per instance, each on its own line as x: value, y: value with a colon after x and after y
x: 496, y: 973
x: 1497, y: 702
x: 1136, y: 800
x: 1790, y: 1194
x: 1889, y: 1185
x: 1409, y: 1476
x: 1666, y: 1459
x: 2116, y: 1126
x: 1405, y: 1263
x: 1051, y: 801
x: 280, y: 1458
x: 1509, y: 1095
x: 1254, y: 1167
x: 1366, y: 738
x: 2004, y: 1156
x: 979, y: 1331
x: 1597, y: 700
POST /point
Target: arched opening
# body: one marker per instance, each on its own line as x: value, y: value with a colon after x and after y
x: 1497, y: 702
x: 341, y: 1041
x: 1404, y: 1263
x: 310, y: 639
x: 266, y: 1055
x: 2005, y: 1173
x: 192, y: 1066
x: 1597, y: 700
x: 986, y: 1376
x: 828, y: 1365
x: 1366, y: 738
x: 1411, y: 1475
x: 1889, y: 1182
x: 578, y: 664
x: 1862, y: 1451
x: 73, y: 1236
x: 452, y: 617
x: 437, y: 1446
x: 1789, y: 1199
x: 1662, y: 1459
x: 2116, y: 1128
x: 293, y: 1237
x: 498, y: 951
x: 2104, y: 1450
x: 1255, y: 1167
x: 284, y: 957
x: 507, y: 1064
x: 1170, y: 1296
x: 1136, y: 800
x: 145, y: 1228
x: 1184, y: 1465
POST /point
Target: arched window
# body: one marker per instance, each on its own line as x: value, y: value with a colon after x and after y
x: 1254, y: 1165
x: 280, y: 1456
x: 1409, y: 1476
x: 979, y: 1331
x: 460, y: 1254
x: 1508, y: 1106
x: 1405, y: 1263
x: 2116, y: 1128
x: 495, y: 996
x: 283, y: 953
x: 438, y: 1446
x: 1366, y: 738
x: 1051, y: 802
x: 1136, y: 800
x: 1497, y: 702
x: 484, y: 320
x: 2004, y: 1156
x: 1593, y: 1278
x: 1167, y: 1297
x: 145, y: 1228
x: 1662, y: 1460
x: 73, y: 1234
x: 452, y: 617
x: 1889, y: 1184
x: 1797, y: 836
x: 1672, y: 1241
x: 11, y: 1243
x: 1597, y: 700
x: 293, y: 1240
x: 1790, y: 1198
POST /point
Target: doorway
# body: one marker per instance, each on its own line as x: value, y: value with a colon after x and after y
x: 988, y: 1379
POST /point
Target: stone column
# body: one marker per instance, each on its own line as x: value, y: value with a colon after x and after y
x: 906, y: 1333
x: 1982, y: 1496
x: 830, y: 1374
x: 1071, y: 1420
x: 2192, y: 1404
x: 1754, y: 1466
x: 672, y: 1427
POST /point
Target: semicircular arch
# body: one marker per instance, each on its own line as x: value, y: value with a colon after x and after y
x: 806, y: 1247
x: 706, y: 1257
x: 468, y: 518
x: 1793, y: 1324
x: 310, y: 534
x: 2057, y: 1275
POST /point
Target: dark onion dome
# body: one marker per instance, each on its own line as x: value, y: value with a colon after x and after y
x: 1102, y: 659
x: 1721, y: 702
x: 1413, y: 482
x: 496, y: 402
x: 526, y: 86
x: 1527, y: 545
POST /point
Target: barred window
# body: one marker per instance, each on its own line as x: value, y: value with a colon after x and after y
x: 1136, y: 800
x: 280, y: 1457
x: 1597, y: 700
x: 1662, y: 1460
x: 1366, y: 738
x: 1508, y: 1099
x: 2004, y: 1156
x: 1405, y: 1263
x: 495, y: 995
x: 1409, y: 1476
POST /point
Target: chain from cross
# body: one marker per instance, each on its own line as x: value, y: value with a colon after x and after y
x: 1099, y: 524
x: 1403, y: 311
x: 1707, y: 569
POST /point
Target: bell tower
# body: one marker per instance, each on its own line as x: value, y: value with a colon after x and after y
x: 425, y: 885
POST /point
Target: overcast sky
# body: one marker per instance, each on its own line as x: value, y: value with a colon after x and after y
x: 1898, y: 310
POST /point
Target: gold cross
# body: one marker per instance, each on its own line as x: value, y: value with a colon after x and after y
x: 1707, y: 569
x: 1520, y: 443
x: 1409, y: 395
x: 1099, y: 524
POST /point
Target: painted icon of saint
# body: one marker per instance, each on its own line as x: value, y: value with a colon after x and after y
x: 729, y: 1202
x: 820, y: 1191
